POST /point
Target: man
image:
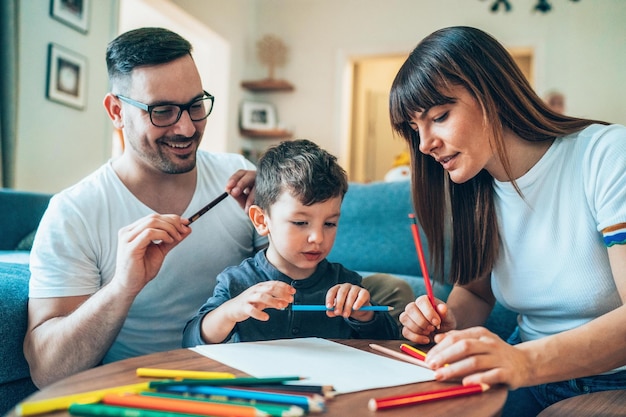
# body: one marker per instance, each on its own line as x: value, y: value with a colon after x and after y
x: 102, y: 288
x: 97, y: 295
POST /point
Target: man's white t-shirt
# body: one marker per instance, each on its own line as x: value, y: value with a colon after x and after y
x: 75, y: 250
x: 553, y: 266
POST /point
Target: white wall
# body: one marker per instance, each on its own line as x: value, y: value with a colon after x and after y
x: 57, y: 145
x: 580, y: 49
x: 235, y: 21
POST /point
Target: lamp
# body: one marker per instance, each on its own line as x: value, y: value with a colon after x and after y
x: 542, y: 6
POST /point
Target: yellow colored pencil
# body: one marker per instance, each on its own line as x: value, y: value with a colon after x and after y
x: 31, y: 408
x: 181, y: 374
x: 404, y: 347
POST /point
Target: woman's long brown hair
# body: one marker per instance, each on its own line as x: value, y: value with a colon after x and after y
x: 473, y: 59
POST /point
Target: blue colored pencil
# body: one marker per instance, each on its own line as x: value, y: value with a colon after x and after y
x: 307, y: 307
x: 303, y: 401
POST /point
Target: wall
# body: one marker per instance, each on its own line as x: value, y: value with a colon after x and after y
x: 580, y: 49
x: 57, y: 145
x: 235, y: 21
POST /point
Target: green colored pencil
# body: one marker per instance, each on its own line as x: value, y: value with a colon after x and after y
x: 101, y: 410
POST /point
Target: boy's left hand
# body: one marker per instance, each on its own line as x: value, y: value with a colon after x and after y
x: 346, y: 299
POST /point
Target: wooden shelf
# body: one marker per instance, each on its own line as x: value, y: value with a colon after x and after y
x: 270, y: 133
x: 267, y: 85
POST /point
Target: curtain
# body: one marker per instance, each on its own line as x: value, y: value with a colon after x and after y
x: 8, y: 90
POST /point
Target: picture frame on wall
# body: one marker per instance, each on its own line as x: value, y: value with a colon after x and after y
x: 74, y: 13
x: 66, y: 77
x: 258, y: 116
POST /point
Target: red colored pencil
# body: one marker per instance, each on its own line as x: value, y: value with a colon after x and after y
x: 422, y: 259
x: 427, y: 396
x: 410, y: 350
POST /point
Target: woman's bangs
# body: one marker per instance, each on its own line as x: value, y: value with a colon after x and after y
x: 416, y: 92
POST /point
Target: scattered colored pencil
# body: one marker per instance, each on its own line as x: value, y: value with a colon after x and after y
x: 375, y: 404
x: 415, y: 352
x: 63, y: 403
x: 309, y: 405
x: 399, y: 355
x: 327, y: 391
x: 187, y: 406
x: 277, y: 381
x: 275, y: 410
x: 182, y: 374
x: 422, y: 260
x: 101, y: 410
x: 309, y: 307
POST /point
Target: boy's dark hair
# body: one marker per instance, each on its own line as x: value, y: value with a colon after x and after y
x: 140, y: 47
x: 308, y: 172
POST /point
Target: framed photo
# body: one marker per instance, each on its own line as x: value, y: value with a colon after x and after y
x: 258, y: 116
x: 67, y: 77
x: 74, y: 13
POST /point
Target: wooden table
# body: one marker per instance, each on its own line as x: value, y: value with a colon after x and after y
x: 599, y: 404
x: 123, y: 372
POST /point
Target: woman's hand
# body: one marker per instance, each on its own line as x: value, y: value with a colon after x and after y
x: 476, y: 355
x: 421, y: 321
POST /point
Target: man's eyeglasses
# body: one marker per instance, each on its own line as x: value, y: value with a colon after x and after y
x: 163, y: 115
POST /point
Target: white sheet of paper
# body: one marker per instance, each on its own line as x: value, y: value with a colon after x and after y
x: 321, y: 361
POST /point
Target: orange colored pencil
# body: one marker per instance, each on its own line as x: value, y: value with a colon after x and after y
x: 375, y: 404
x: 182, y: 406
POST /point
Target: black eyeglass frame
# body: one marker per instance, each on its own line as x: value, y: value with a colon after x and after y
x: 181, y: 107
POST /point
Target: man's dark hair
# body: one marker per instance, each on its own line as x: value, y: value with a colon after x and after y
x: 302, y: 168
x: 141, y: 47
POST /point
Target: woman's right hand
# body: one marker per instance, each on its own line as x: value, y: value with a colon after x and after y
x: 421, y: 321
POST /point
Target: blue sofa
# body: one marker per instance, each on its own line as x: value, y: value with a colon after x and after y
x: 21, y: 213
x: 374, y: 235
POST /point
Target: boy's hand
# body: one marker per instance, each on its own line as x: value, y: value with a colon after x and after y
x: 252, y: 302
x: 346, y: 299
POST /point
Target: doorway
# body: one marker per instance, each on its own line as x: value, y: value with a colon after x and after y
x: 373, y: 146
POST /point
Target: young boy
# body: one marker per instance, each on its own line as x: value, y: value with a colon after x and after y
x: 299, y: 190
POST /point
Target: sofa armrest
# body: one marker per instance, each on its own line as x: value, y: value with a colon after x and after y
x: 15, y: 380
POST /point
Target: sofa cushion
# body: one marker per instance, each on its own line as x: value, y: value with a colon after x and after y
x: 374, y: 232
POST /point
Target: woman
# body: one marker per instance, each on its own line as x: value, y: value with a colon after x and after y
x: 536, y: 205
